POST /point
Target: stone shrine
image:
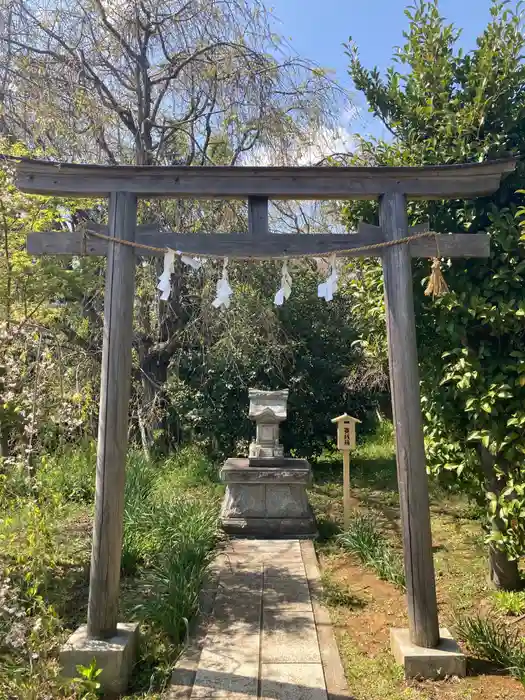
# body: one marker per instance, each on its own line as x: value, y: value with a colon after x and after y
x: 267, y: 409
x: 266, y: 492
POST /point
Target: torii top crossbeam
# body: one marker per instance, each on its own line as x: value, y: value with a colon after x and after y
x: 225, y: 182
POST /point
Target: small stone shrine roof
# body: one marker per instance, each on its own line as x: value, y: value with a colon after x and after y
x: 267, y: 403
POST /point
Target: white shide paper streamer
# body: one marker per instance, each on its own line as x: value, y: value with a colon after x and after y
x: 286, y: 286
x: 328, y: 288
x: 194, y: 263
x: 164, y: 284
x: 224, y: 291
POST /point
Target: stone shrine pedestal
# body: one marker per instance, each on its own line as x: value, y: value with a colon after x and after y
x: 266, y: 498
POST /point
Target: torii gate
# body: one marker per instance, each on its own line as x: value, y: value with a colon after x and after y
x: 124, y: 184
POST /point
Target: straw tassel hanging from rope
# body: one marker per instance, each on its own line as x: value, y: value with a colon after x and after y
x: 437, y: 285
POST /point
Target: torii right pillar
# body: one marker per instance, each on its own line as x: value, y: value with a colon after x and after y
x: 425, y: 650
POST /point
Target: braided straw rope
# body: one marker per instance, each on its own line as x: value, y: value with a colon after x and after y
x: 360, y: 249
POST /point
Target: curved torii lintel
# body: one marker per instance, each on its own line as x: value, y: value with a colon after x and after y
x: 462, y: 181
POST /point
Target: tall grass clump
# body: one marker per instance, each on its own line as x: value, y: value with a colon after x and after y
x: 493, y: 641
x: 170, y: 533
x: 509, y: 602
x: 177, y: 576
x: 363, y: 537
x: 141, y: 540
x: 152, y: 502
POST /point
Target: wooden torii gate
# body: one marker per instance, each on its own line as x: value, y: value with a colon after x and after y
x: 124, y: 184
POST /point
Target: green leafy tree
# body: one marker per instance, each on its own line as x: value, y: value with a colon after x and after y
x: 445, y: 106
x: 306, y: 345
x: 48, y: 341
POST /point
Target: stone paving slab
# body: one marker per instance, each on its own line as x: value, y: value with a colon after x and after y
x: 293, y: 682
x: 290, y: 637
x: 292, y: 569
x: 281, y: 593
x: 265, y: 635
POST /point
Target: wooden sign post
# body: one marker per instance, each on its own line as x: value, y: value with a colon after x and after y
x: 345, y: 443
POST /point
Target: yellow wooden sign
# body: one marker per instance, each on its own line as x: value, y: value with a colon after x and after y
x: 346, y: 442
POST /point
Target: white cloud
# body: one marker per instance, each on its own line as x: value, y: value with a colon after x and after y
x: 310, y: 149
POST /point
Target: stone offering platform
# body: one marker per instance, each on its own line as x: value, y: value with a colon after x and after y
x: 267, y: 498
x: 263, y: 632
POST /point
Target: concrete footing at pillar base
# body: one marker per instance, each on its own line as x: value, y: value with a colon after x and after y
x: 444, y: 661
x: 114, y: 656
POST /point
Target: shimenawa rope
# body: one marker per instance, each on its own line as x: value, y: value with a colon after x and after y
x: 437, y: 285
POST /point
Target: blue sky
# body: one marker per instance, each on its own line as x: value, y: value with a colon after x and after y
x: 317, y: 30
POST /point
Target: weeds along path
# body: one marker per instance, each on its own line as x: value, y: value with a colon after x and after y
x: 170, y: 536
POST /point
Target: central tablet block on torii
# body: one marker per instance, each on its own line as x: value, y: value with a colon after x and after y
x: 266, y: 492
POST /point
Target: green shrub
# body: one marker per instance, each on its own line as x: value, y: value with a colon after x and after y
x: 380, y: 444
x: 14, y: 483
x: 70, y: 473
x: 363, y: 537
x: 493, y: 641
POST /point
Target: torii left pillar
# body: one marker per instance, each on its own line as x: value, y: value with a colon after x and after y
x: 112, y: 644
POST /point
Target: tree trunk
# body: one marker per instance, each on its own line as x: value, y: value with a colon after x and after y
x: 4, y: 442
x: 154, y: 371
x: 504, y: 574
x: 143, y: 434
x: 154, y: 358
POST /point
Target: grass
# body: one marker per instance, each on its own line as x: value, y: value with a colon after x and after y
x: 363, y: 537
x: 493, y: 641
x: 170, y: 532
x: 337, y: 595
x: 186, y: 532
x: 164, y: 503
x: 372, y: 678
x: 509, y: 602
x: 70, y: 473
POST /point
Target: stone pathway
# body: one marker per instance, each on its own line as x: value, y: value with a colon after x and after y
x: 265, y: 633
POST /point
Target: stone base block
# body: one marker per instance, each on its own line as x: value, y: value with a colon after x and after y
x: 267, y: 498
x: 114, y: 656
x: 419, y: 662
x: 270, y: 528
